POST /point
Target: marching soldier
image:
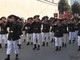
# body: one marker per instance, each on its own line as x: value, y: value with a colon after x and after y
x: 23, y: 31
x: 65, y: 33
x: 58, y: 33
x: 51, y: 29
x: 20, y: 32
x: 3, y: 32
x: 76, y: 28
x: 13, y: 35
x: 29, y: 31
x: 71, y: 28
x: 78, y: 24
x: 36, y: 32
x: 45, y: 30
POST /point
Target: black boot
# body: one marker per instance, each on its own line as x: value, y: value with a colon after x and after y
x: 19, y: 46
x: 54, y: 40
x: 73, y: 40
x: 8, y: 57
x: 60, y: 48
x: 51, y: 40
x: 62, y: 44
x: 5, y: 45
x: 38, y: 47
x: 46, y: 43
x: 65, y: 44
x: 56, y: 48
x: 69, y: 41
x: 0, y: 46
x: 31, y: 43
x: 28, y: 43
x: 34, y: 47
x: 79, y: 48
x: 43, y: 44
x: 24, y: 40
x: 16, y: 57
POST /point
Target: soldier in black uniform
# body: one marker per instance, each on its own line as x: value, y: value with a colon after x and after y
x: 65, y: 33
x: 13, y: 35
x: 58, y: 33
x: 3, y: 32
x: 23, y: 31
x: 76, y: 28
x: 29, y: 31
x: 78, y: 24
x: 45, y: 30
x: 36, y: 32
x: 71, y: 29
x: 19, y: 22
x: 53, y: 29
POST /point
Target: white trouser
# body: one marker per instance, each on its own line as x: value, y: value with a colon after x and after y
x: 78, y: 40
x: 24, y: 36
x: 3, y: 37
x: 29, y: 37
x: 45, y: 37
x: 51, y: 34
x: 36, y: 36
x: 14, y: 45
x: 65, y: 38
x: 71, y: 35
x: 58, y: 41
x: 21, y: 39
x: 40, y: 37
x: 76, y: 37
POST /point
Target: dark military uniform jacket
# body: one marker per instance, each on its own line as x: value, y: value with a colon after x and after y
x: 71, y: 27
x: 64, y: 26
x: 3, y: 29
x: 46, y: 27
x: 78, y: 29
x: 53, y: 28
x: 36, y: 27
x: 28, y: 28
x: 14, y: 33
x: 58, y: 31
x: 19, y: 28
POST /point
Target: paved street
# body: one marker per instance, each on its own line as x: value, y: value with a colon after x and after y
x: 46, y: 53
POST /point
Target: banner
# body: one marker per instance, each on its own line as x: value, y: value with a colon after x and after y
x: 66, y: 15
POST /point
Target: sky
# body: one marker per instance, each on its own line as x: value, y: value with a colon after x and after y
x: 72, y: 1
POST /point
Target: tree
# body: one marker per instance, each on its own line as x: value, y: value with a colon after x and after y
x: 76, y: 8
x: 63, y: 6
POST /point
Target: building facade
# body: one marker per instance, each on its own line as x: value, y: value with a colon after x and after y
x: 28, y: 8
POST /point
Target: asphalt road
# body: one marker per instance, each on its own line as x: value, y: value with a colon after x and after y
x: 45, y: 53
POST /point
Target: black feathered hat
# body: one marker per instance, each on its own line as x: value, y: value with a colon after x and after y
x: 45, y: 17
x: 13, y: 16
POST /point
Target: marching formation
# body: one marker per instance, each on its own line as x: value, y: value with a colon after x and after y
x: 14, y: 31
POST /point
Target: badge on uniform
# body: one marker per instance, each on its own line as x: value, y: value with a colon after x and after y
x: 25, y: 27
x: 11, y: 31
